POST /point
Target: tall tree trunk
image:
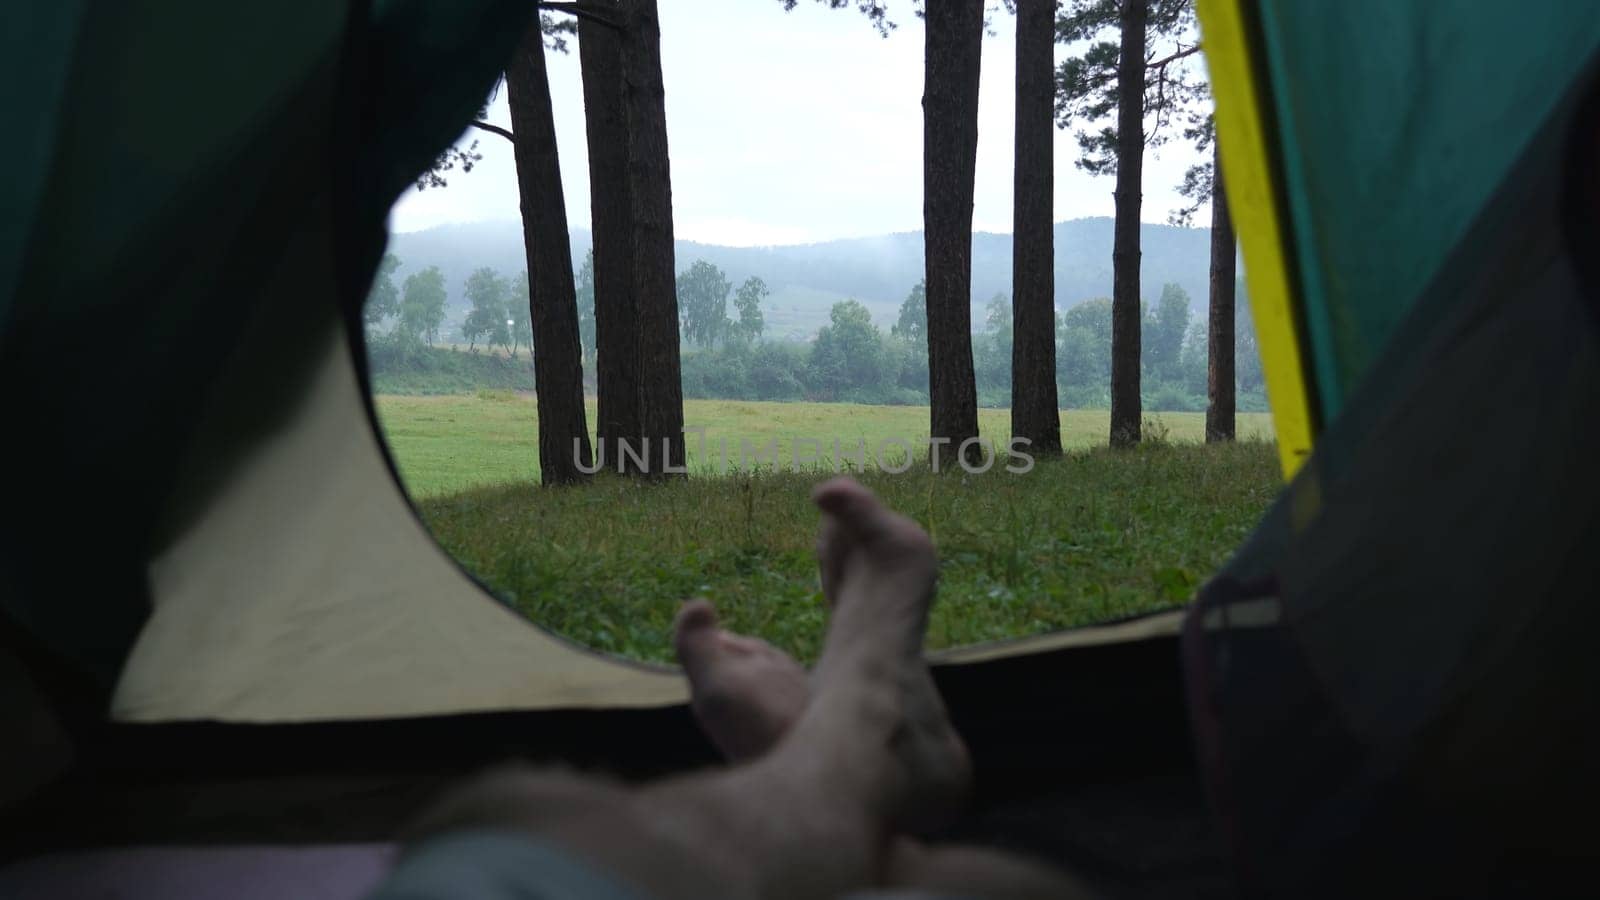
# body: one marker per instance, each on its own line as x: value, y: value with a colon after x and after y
x: 1220, y: 327
x: 1035, y: 410
x: 1125, y: 403
x: 954, y: 43
x: 655, y: 293
x: 552, y: 303
x: 616, y: 329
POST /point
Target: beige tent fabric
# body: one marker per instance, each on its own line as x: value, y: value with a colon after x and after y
x: 1161, y: 625
x: 310, y: 591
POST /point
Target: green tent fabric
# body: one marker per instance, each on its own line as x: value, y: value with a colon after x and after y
x: 180, y: 168
x: 1393, y: 678
x: 1397, y: 122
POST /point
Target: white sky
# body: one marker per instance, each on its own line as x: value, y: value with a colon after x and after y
x: 792, y: 128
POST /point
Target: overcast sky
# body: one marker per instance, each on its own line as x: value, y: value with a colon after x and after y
x: 791, y: 128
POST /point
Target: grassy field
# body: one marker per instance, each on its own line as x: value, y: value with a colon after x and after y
x: 1093, y: 536
x: 453, y: 442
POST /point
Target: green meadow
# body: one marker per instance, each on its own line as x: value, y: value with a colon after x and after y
x: 1092, y: 536
x: 447, y: 443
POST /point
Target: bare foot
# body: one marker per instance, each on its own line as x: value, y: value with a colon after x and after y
x: 745, y: 692
x: 878, y: 575
x: 879, y: 571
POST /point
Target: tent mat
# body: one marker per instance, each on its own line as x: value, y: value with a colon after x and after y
x: 1082, y: 757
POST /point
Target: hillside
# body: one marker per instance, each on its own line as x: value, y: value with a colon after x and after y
x: 807, y: 279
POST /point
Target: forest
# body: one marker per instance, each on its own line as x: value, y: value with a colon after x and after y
x: 728, y: 355
x: 505, y: 372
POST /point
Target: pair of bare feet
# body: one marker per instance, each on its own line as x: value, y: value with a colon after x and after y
x: 829, y: 771
x: 878, y: 571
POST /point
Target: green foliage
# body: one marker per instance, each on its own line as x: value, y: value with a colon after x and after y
x: 1199, y: 180
x: 1083, y: 349
x: 876, y: 11
x: 398, y: 367
x: 422, y: 307
x: 487, y: 320
x: 703, y: 303
x: 878, y: 271
x: 1247, y: 353
x: 850, y: 360
x: 585, y: 293
x: 1163, y: 330
x: 1185, y: 387
x: 991, y: 354
x: 1192, y: 360
x: 1167, y: 396
x: 911, y: 361
x: 518, y: 298
x: 1087, y: 83
x: 748, y: 302
x: 776, y: 372
x: 912, y: 324
x: 454, y: 156
x: 383, y: 301
x: 848, y: 356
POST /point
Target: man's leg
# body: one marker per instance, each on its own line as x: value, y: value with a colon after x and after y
x: 813, y: 816
x: 746, y: 694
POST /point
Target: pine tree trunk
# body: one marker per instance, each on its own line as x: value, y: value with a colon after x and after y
x: 660, y: 384
x: 611, y: 222
x: 1126, y: 412
x: 1220, y: 384
x: 954, y: 30
x: 1035, y: 410
x: 553, y: 302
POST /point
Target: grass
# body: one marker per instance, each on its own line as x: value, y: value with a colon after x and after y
x: 454, y: 442
x: 449, y: 369
x: 1095, y: 535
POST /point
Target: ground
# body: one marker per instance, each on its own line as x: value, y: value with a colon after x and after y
x: 1093, y: 536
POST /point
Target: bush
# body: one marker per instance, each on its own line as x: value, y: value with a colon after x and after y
x: 1171, y: 397
x: 1252, y: 401
x: 1085, y: 396
x: 399, y: 366
x: 994, y: 397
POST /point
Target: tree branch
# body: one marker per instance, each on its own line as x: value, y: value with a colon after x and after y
x: 1162, y: 63
x: 495, y: 129
x: 582, y: 11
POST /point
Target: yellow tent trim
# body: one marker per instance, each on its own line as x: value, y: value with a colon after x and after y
x: 1248, y: 173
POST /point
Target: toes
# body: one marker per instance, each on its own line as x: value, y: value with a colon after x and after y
x: 855, y: 519
x: 857, y: 510
x: 695, y: 633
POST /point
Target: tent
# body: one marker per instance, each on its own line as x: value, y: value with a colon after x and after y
x: 223, y: 627
x: 1390, y: 675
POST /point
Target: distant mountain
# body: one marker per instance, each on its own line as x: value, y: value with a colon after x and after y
x: 807, y: 279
